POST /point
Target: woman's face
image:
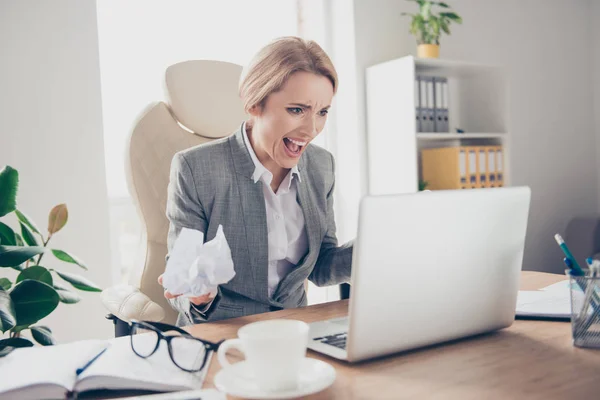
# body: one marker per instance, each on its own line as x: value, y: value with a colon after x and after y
x: 290, y: 119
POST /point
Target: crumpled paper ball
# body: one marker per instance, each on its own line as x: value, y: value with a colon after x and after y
x: 195, y: 268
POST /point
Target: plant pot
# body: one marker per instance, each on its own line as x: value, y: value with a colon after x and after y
x: 428, y: 51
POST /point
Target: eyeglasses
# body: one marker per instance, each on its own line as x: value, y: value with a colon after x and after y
x: 187, y: 352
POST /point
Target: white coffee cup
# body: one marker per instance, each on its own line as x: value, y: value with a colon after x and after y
x: 274, y: 351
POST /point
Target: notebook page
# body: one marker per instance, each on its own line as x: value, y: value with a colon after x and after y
x: 205, y: 394
x: 47, y: 370
x: 120, y: 368
x: 559, y: 287
x: 544, y: 304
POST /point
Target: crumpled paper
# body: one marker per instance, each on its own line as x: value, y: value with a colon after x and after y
x: 195, y: 268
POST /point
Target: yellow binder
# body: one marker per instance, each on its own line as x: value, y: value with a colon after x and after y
x: 482, y: 166
x: 463, y: 168
x: 445, y: 168
x: 499, y: 166
x: 491, y: 166
x: 472, y: 166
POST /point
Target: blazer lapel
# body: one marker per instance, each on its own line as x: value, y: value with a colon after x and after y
x: 255, y: 215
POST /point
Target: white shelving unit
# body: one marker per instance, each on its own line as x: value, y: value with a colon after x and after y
x: 477, y: 105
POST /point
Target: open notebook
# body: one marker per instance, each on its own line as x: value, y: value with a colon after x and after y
x: 49, y: 372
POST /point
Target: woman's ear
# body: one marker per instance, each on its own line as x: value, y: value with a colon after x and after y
x: 255, y: 110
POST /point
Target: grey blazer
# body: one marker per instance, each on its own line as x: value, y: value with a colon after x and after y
x: 212, y: 184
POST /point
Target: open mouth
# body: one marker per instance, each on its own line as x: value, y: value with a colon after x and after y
x: 293, y: 147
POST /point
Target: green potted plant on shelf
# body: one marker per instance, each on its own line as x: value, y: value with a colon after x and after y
x: 36, y: 290
x: 427, y: 26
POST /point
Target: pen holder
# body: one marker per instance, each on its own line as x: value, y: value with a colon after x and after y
x: 585, y: 309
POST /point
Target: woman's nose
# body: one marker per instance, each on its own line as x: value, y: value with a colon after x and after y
x: 311, y: 125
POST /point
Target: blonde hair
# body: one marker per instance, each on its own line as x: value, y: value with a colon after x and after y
x: 272, y: 66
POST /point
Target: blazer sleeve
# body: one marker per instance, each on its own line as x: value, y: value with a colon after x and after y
x: 185, y: 210
x: 334, y: 263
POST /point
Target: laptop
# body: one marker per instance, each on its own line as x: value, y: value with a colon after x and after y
x: 427, y: 268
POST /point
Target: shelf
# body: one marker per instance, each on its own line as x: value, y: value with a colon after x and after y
x: 478, y: 104
x: 454, y: 136
x: 451, y: 68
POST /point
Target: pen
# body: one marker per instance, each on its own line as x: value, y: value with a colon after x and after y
x: 81, y: 369
x: 568, y: 263
x: 590, y: 263
x: 576, y: 270
x: 583, y: 322
x: 563, y: 246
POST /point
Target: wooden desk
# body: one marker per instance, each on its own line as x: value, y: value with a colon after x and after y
x: 529, y: 360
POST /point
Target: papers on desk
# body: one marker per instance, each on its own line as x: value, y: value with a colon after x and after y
x: 49, y: 372
x: 553, y: 302
x: 206, y: 394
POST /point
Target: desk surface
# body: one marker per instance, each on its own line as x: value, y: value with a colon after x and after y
x: 530, y: 359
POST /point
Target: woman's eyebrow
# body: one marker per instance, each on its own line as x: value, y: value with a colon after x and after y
x: 308, y: 106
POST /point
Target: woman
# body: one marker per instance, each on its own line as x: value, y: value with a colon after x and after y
x: 268, y: 186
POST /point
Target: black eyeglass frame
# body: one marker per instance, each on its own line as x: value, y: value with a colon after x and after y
x: 159, y: 328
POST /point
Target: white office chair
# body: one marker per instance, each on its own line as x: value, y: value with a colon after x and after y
x: 202, y: 105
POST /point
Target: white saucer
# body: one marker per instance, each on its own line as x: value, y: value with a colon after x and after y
x: 315, y: 375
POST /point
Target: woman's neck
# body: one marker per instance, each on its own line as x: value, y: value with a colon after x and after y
x: 264, y: 158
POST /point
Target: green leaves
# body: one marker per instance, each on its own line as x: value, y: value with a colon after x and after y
x: 8, y: 345
x: 65, y: 295
x: 9, y: 183
x: 5, y: 283
x: 444, y: 26
x: 25, y: 219
x: 42, y: 335
x: 453, y: 16
x: 66, y: 257
x: 417, y: 25
x: 28, y: 236
x: 7, y: 235
x: 34, y: 294
x: 58, y: 218
x: 79, y: 282
x: 426, y: 26
x: 435, y: 25
x: 7, y: 312
x: 68, y: 297
x: 37, y: 273
x: 33, y: 300
x: 426, y: 10
x: 11, y: 256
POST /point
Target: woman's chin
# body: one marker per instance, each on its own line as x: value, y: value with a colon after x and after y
x: 287, y: 164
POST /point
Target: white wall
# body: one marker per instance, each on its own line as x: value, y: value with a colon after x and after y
x: 347, y: 141
x: 545, y: 47
x: 51, y: 131
x: 595, y: 35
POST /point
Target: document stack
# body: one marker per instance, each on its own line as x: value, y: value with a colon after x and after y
x: 463, y: 167
x: 431, y: 100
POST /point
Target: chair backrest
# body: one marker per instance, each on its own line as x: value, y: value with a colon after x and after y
x: 202, y: 105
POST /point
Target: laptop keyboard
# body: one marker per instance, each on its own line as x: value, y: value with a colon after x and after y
x: 338, y: 340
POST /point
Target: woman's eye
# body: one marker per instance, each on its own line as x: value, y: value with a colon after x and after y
x: 323, y: 113
x: 295, y: 110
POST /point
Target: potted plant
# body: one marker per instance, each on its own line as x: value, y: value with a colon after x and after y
x: 37, y: 290
x: 427, y: 27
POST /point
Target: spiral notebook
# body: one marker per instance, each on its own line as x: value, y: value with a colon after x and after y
x: 49, y: 372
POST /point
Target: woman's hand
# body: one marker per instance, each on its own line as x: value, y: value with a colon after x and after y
x: 199, y: 301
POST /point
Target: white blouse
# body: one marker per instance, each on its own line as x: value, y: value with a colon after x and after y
x: 288, y: 242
